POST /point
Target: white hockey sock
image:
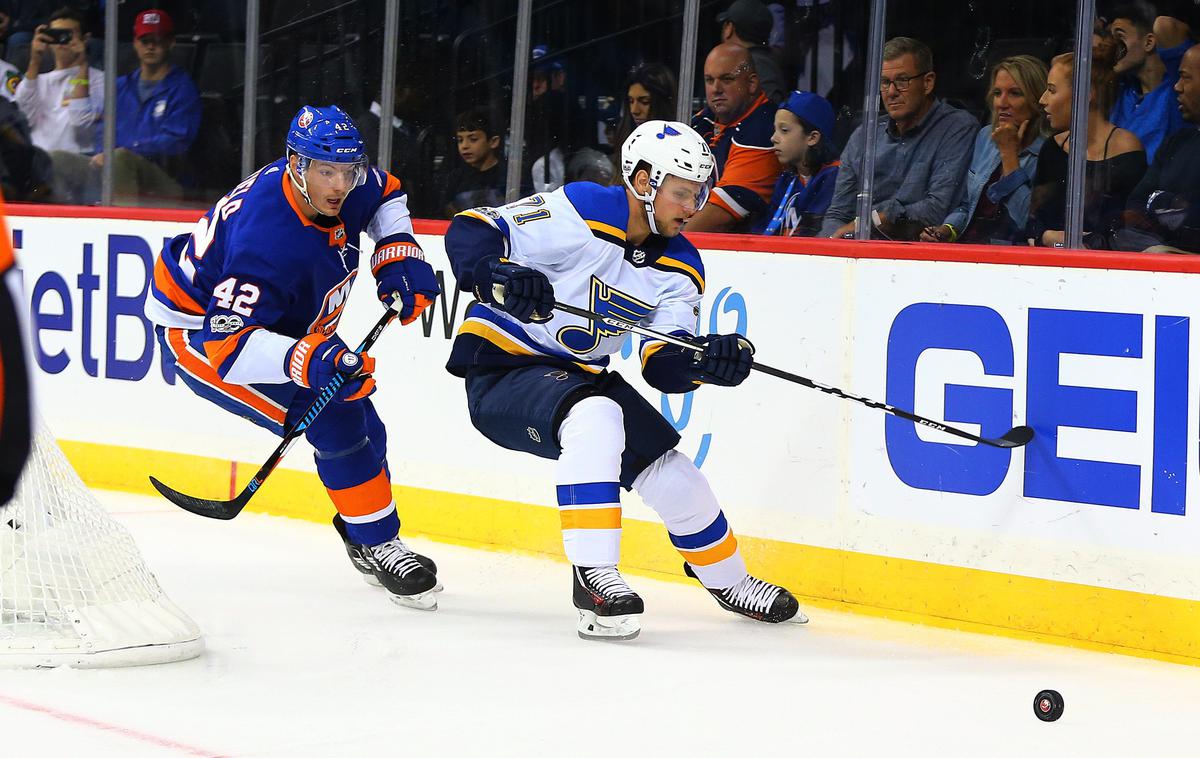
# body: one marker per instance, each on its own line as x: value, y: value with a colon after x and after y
x: 676, y: 489
x: 592, y: 437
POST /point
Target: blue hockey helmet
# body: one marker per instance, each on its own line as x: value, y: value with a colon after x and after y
x: 326, y: 134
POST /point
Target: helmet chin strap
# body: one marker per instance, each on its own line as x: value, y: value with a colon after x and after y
x: 300, y: 182
x: 647, y: 202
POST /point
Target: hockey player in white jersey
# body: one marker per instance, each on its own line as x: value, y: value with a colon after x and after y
x: 537, y: 379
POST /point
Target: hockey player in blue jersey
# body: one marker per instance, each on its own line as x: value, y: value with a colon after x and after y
x: 248, y: 306
x: 537, y: 381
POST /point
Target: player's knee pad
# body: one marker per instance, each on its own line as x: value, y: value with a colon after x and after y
x: 594, y: 423
x: 376, y: 431
x: 339, y: 427
x: 678, y: 492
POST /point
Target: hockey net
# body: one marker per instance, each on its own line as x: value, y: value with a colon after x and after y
x: 74, y: 589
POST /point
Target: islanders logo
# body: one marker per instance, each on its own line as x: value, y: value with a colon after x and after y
x: 333, y: 305
x: 305, y: 119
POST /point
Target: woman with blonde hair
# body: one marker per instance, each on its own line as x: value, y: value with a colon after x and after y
x: 1116, y: 159
x: 994, y: 207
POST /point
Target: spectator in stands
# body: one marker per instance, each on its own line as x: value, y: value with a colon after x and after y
x: 25, y: 169
x: 158, y: 117
x: 1164, y: 208
x: 737, y: 122
x: 1178, y: 22
x: 804, y: 147
x: 747, y: 23
x: 1145, y: 102
x: 548, y: 121
x: 650, y: 94
x: 10, y: 77
x: 923, y: 147
x: 479, y: 179
x: 62, y: 105
x: 995, y: 204
x: 1116, y: 160
x: 411, y: 135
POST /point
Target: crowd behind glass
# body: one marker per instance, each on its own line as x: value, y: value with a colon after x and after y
x: 979, y: 159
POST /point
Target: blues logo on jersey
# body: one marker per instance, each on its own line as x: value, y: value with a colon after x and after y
x: 605, y: 301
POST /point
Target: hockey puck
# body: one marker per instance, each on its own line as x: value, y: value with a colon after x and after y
x: 1048, y: 705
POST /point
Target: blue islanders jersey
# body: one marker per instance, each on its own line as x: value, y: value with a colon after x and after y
x: 576, y: 236
x: 255, y: 274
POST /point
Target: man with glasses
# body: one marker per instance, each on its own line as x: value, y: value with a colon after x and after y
x: 158, y: 117
x: 737, y: 123
x: 922, y: 149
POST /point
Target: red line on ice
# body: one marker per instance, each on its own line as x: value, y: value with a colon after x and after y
x: 133, y: 734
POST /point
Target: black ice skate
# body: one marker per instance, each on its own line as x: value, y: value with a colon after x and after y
x: 608, y: 608
x: 756, y: 599
x: 410, y: 577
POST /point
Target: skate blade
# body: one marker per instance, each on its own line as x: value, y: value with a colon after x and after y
x: 799, y: 618
x: 608, y: 628
x: 422, y: 601
x: 373, y: 580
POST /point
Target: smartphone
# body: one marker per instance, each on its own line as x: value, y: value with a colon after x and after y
x: 59, y: 36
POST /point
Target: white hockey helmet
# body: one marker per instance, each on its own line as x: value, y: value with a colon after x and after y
x: 667, y: 147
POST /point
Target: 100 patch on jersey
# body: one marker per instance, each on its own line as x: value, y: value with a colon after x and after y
x: 605, y: 301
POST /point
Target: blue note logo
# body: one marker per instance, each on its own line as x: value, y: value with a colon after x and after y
x: 605, y: 301
x: 668, y: 131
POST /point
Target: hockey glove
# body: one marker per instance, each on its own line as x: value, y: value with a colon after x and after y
x: 525, y: 293
x: 316, y: 359
x: 726, y: 360
x: 401, y: 272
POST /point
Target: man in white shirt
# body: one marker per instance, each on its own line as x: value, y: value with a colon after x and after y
x: 62, y: 105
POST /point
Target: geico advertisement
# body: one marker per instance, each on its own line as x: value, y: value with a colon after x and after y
x: 1098, y: 362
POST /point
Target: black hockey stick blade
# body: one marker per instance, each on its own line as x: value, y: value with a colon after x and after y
x: 218, y: 509
x: 1018, y: 436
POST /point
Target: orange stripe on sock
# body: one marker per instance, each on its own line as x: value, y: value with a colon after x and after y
x: 363, y: 499
x: 200, y: 369
x: 711, y: 555
x: 591, y: 518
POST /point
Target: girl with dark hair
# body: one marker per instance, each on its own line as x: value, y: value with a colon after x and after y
x: 804, y: 146
x: 649, y: 94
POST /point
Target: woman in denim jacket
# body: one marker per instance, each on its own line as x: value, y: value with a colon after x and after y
x: 995, y: 197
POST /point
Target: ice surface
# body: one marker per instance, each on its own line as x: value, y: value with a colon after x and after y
x: 305, y: 659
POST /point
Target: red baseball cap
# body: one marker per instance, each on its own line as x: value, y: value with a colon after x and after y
x: 152, y: 21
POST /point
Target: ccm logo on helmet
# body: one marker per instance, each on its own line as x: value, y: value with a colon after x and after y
x: 347, y: 150
x: 305, y: 119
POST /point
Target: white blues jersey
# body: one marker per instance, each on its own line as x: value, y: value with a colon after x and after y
x: 576, y: 236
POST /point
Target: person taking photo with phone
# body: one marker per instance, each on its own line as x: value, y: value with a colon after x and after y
x: 62, y: 104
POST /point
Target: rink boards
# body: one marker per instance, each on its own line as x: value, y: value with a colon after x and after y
x: 1090, y: 535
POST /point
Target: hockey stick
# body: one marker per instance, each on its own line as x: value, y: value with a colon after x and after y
x: 1015, y: 437
x: 227, y: 509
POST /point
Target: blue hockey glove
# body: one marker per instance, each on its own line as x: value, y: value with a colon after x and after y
x: 401, y: 271
x: 315, y: 359
x: 525, y: 293
x: 726, y: 360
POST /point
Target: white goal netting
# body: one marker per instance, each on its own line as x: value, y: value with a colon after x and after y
x: 74, y: 589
